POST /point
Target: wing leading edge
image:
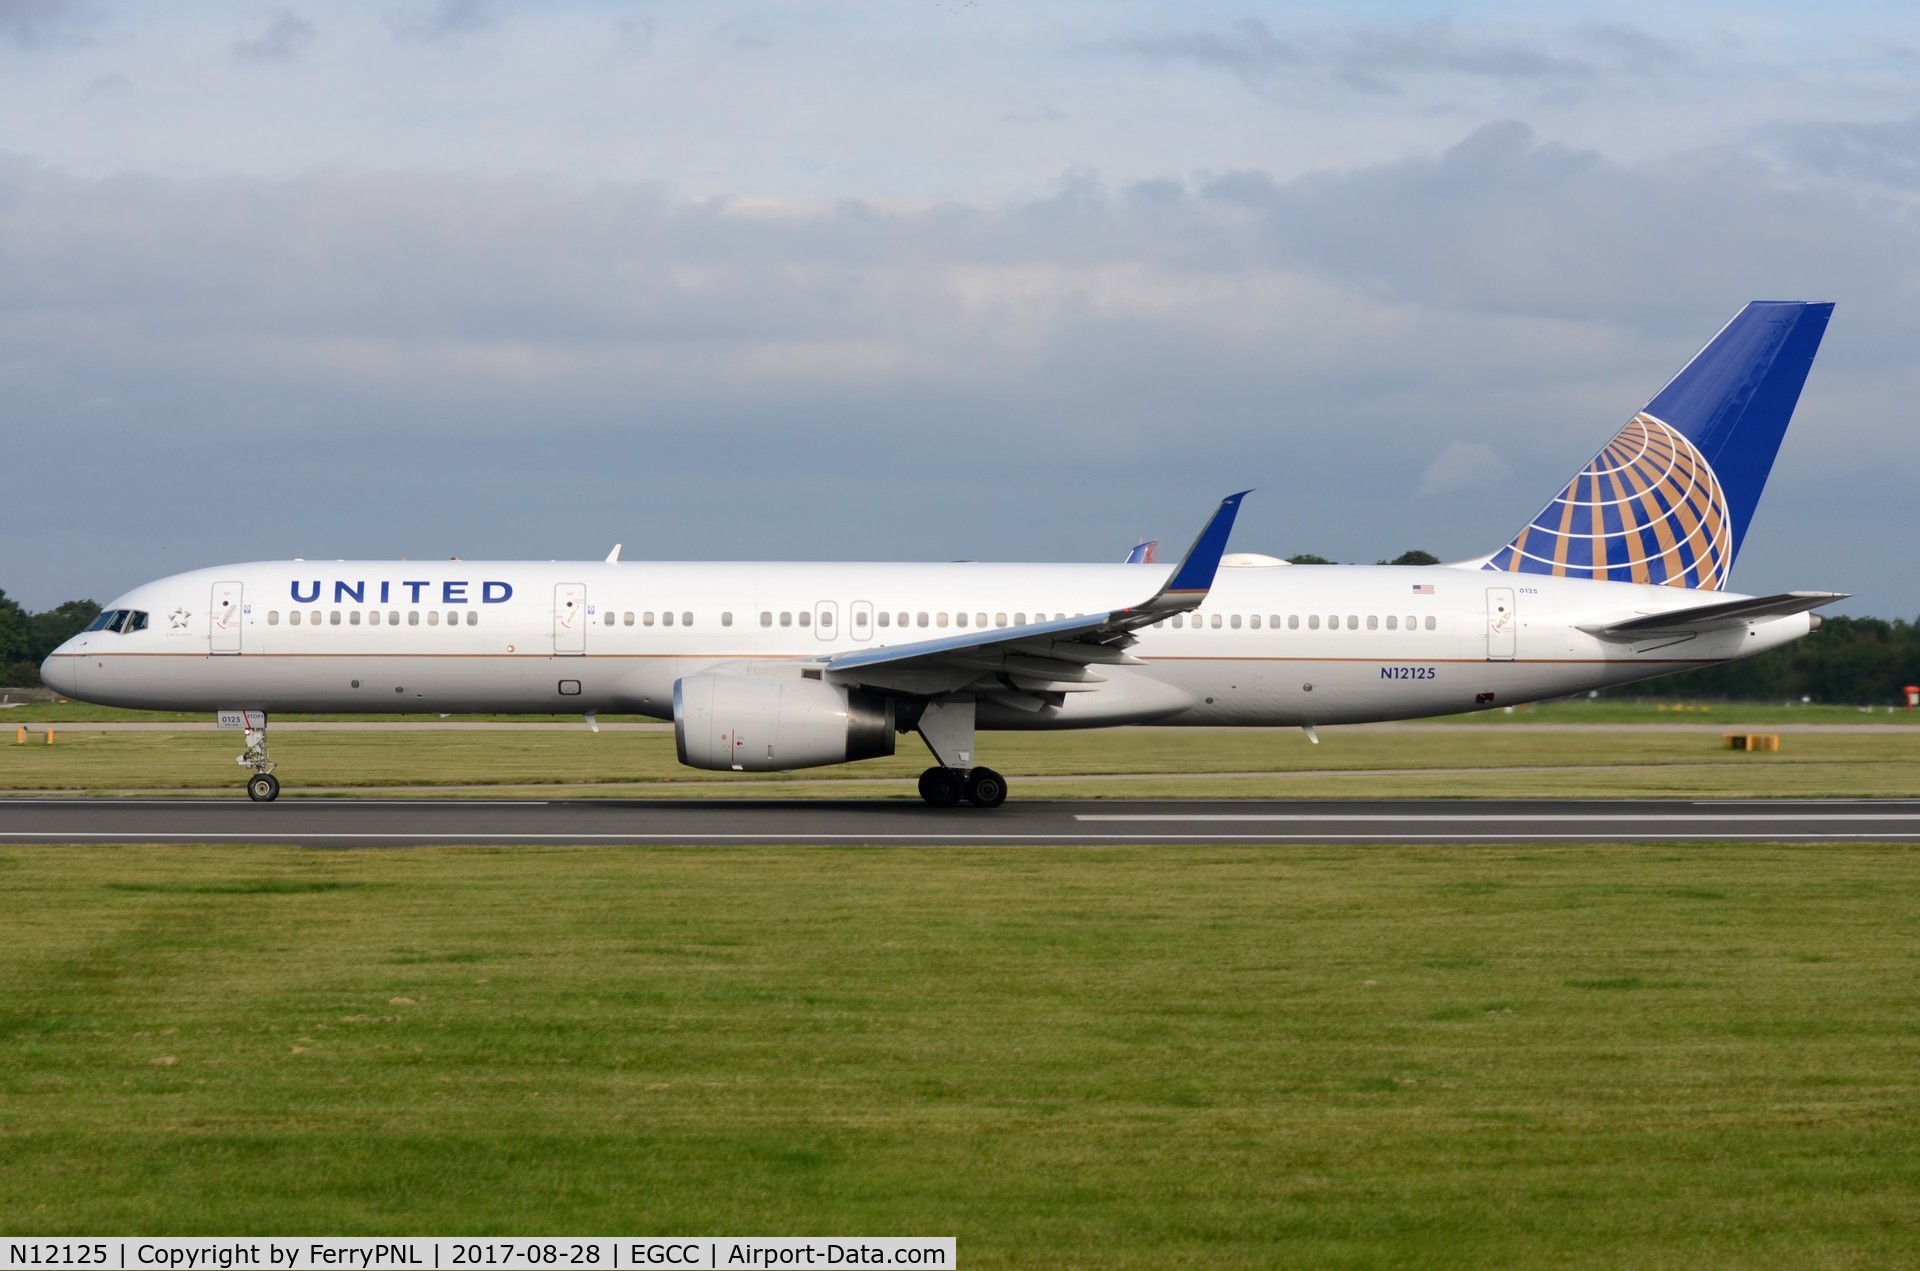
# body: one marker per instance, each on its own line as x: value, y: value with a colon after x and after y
x: 1042, y: 657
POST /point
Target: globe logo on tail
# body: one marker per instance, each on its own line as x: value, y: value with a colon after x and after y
x: 1648, y: 509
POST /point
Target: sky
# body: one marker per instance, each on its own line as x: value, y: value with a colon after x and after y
x: 956, y: 280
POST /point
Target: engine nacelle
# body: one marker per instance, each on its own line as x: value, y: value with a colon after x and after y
x: 772, y: 719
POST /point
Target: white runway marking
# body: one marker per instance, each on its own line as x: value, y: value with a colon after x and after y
x: 1662, y: 818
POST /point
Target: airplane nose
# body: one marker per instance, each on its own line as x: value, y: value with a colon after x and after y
x: 61, y: 671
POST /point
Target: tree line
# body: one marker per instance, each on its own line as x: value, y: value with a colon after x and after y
x: 1850, y: 661
x: 27, y: 638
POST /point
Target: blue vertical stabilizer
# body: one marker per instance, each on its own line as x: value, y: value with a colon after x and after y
x: 1670, y: 498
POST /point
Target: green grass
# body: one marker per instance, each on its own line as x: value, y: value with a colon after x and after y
x: 1621, y: 1056
x: 1238, y: 763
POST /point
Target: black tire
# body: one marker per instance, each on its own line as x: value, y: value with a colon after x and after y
x: 986, y: 788
x: 941, y: 787
x: 263, y: 787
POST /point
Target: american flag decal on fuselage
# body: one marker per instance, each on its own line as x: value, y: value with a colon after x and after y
x: 1648, y: 509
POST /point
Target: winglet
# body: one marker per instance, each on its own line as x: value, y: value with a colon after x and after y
x: 1194, y: 578
x: 1203, y: 558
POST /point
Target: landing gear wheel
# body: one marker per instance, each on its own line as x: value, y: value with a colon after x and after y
x: 941, y: 787
x: 986, y: 788
x: 263, y: 787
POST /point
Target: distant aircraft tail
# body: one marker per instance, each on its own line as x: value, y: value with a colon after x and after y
x: 1670, y: 498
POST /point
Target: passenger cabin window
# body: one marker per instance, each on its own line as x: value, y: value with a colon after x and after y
x: 726, y: 617
x: 353, y: 618
x: 1179, y: 621
x: 612, y: 617
x: 473, y: 617
x: 960, y: 619
x: 293, y: 617
x: 313, y: 619
x: 999, y: 619
x: 786, y: 617
x: 1429, y: 622
x: 1413, y: 623
x: 413, y: 617
x: 1293, y: 622
x: 940, y: 619
x: 1393, y: 622
x: 1019, y: 619
x: 686, y: 619
x: 806, y: 619
x: 920, y: 619
x: 666, y: 619
x: 273, y: 617
x: 883, y: 618
x: 433, y: 617
x: 1215, y: 624
x: 1313, y: 622
x: 333, y: 617
x: 373, y: 618
x: 1373, y: 622
x: 646, y: 618
x: 826, y: 618
x: 393, y: 617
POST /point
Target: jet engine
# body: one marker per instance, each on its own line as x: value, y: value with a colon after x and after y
x: 775, y: 718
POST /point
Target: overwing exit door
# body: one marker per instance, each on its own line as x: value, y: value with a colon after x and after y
x: 569, y: 619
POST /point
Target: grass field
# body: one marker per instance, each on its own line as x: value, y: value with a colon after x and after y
x: 1603, y: 1057
x: 1117, y: 763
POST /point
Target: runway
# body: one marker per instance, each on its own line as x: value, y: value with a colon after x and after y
x: 348, y: 823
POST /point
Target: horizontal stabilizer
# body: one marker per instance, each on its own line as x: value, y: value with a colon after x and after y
x: 1724, y: 613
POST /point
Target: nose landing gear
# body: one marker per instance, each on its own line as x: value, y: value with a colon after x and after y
x: 262, y: 786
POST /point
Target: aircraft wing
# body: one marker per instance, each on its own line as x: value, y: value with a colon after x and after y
x: 1724, y: 613
x: 1041, y: 657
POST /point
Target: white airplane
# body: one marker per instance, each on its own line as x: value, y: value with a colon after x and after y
x: 776, y: 666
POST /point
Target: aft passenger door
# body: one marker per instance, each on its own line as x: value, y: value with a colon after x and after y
x: 1502, y: 624
x: 223, y: 631
x: 569, y: 619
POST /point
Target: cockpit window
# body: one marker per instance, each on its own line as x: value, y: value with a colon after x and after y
x: 120, y: 620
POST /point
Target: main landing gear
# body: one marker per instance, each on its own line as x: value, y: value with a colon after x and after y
x: 262, y: 786
x: 946, y: 788
x: 946, y: 725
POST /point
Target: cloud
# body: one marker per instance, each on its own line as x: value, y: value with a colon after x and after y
x: 1883, y: 153
x: 1464, y: 465
x: 1372, y: 59
x: 448, y: 20
x: 444, y: 347
x: 284, y: 39
x: 39, y: 23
